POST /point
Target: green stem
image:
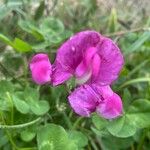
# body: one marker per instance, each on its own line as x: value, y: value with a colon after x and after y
x: 8, y: 134
x: 6, y: 72
x: 70, y: 114
x: 132, y: 147
x: 137, y: 68
x: 77, y: 122
x: 89, y: 148
x: 20, y: 125
x: 93, y: 143
x: 86, y: 131
x: 121, y: 33
x: 141, y: 143
x: 11, y: 141
x: 6, y: 127
x: 12, y: 107
x: 28, y: 148
x: 25, y: 62
x: 133, y: 81
x: 67, y: 120
x: 67, y: 88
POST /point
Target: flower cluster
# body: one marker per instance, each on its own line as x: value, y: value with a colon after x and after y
x: 95, y: 62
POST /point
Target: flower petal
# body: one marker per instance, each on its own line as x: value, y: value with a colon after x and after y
x: 81, y: 70
x: 96, y: 62
x: 89, y: 54
x: 111, y: 61
x: 103, y: 91
x: 71, y: 53
x: 59, y: 75
x: 88, y: 50
x: 84, y: 79
x: 40, y: 67
x: 83, y: 100
x: 111, y: 106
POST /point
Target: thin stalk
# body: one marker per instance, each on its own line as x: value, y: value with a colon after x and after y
x: 70, y: 114
x: 25, y: 62
x: 67, y: 120
x: 67, y: 88
x: 20, y: 125
x: 28, y: 148
x: 121, y: 33
x: 8, y: 134
x: 93, y: 144
x: 132, y: 147
x: 89, y: 148
x: 6, y: 72
x: 12, y: 107
x: 11, y: 141
x: 133, y: 81
x: 6, y: 127
x: 77, y: 122
x: 138, y: 68
x: 86, y: 131
x: 141, y: 143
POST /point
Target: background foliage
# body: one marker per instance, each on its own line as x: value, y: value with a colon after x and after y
x: 38, y: 117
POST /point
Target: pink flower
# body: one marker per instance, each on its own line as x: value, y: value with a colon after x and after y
x: 90, y: 58
x: 87, y: 99
x: 41, y: 70
x: 95, y: 61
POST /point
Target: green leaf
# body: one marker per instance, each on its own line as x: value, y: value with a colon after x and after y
x: 27, y: 135
x: 40, y: 10
x: 6, y: 40
x: 79, y: 138
x: 52, y: 29
x: 126, y: 98
x: 112, y: 21
x: 4, y: 138
x: 122, y: 127
x: 114, y: 143
x: 17, y: 44
x: 54, y: 137
x: 57, y: 38
x: 36, y: 33
x: 51, y: 25
x: 5, y: 86
x: 5, y: 106
x: 138, y: 43
x: 138, y: 80
x: 139, y: 113
x: 31, y: 93
x: 40, y: 46
x: 39, y: 107
x: 5, y: 9
x: 103, y: 132
x: 21, y: 46
x: 21, y: 105
x: 54, y: 39
x: 99, y: 122
x: 66, y: 34
x: 12, y: 62
x: 138, y: 67
x: 29, y: 27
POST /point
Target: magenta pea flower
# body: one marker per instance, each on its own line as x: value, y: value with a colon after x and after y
x: 87, y: 99
x: 95, y: 62
x: 41, y: 69
x: 90, y: 58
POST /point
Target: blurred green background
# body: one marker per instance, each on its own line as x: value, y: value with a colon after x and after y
x: 27, y: 111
